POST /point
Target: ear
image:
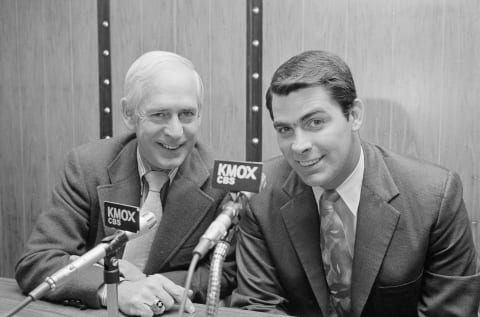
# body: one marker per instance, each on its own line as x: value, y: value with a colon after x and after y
x: 199, y: 114
x: 128, y: 115
x: 356, y: 114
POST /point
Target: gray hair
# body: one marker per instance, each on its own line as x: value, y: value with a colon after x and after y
x: 142, y: 72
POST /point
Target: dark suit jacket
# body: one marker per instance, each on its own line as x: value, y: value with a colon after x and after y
x: 73, y: 223
x: 414, y: 252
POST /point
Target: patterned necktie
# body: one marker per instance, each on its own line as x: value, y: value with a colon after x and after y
x: 336, y: 255
x: 137, y: 251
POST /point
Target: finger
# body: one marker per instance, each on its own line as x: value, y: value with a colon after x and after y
x: 136, y: 297
x: 166, y: 298
x: 177, y: 292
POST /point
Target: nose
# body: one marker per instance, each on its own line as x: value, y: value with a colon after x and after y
x: 301, y: 144
x: 174, y: 128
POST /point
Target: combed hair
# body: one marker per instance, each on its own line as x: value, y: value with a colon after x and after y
x: 311, y: 69
x: 142, y: 72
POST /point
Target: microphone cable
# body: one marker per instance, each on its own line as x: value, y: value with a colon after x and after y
x: 188, y: 282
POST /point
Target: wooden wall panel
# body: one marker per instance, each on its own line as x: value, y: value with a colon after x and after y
x: 31, y: 80
x: 57, y: 86
x: 282, y: 38
x: 126, y: 46
x: 49, y: 104
x: 84, y: 65
x: 460, y: 132
x: 11, y: 156
x: 227, y: 82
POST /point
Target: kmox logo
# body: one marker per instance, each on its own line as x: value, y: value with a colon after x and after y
x: 122, y: 217
x: 237, y: 176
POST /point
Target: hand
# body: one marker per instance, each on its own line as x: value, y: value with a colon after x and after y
x: 130, y: 271
x: 134, y: 297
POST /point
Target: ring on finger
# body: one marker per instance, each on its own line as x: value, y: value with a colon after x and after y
x: 157, y: 307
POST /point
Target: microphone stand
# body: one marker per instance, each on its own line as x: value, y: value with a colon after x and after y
x: 107, y: 248
x: 215, y: 277
x: 111, y: 278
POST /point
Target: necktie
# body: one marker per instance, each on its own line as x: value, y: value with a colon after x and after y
x: 336, y: 255
x: 137, y: 251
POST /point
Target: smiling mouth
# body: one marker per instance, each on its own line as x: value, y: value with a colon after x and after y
x: 168, y: 147
x: 309, y: 162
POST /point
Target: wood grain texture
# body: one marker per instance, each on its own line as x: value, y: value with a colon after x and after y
x: 227, y: 82
x: 58, y: 83
x: 460, y: 132
x: 32, y: 80
x: 84, y: 65
x: 49, y: 104
x: 11, y: 194
x: 126, y: 46
x: 282, y: 38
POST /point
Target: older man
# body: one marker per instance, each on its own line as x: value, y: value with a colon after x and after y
x: 345, y: 227
x: 162, y: 106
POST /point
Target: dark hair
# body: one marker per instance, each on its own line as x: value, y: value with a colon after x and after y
x: 311, y: 69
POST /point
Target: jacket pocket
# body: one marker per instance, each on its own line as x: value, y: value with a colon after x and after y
x: 397, y: 300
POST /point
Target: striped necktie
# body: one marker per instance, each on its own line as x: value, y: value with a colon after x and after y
x: 336, y: 254
x: 137, y: 251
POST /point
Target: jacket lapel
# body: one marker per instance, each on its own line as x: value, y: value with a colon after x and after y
x: 376, y: 224
x: 125, y: 183
x: 185, y: 207
x: 302, y: 222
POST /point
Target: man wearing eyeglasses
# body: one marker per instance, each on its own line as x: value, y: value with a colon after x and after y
x: 162, y: 105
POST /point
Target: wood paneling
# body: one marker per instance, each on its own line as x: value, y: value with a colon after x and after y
x: 31, y: 70
x: 84, y: 65
x: 11, y: 130
x: 48, y: 104
x: 282, y: 38
x: 227, y: 79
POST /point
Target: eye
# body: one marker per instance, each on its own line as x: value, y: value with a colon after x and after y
x: 187, y: 115
x: 316, y: 123
x: 157, y: 115
x: 283, y: 131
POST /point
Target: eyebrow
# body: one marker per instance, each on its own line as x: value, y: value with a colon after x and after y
x: 303, y: 118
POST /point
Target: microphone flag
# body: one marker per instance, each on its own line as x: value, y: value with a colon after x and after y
x: 122, y: 217
x: 237, y: 176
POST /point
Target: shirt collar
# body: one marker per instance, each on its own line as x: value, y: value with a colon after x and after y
x: 144, y: 168
x: 351, y: 187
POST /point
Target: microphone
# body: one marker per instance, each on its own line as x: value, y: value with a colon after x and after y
x: 242, y: 178
x: 108, y: 245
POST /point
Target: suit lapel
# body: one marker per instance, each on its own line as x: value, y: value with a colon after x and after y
x: 184, y: 209
x: 302, y: 222
x: 376, y: 224
x: 125, y: 183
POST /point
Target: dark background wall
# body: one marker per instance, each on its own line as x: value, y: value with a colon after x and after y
x: 415, y: 63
